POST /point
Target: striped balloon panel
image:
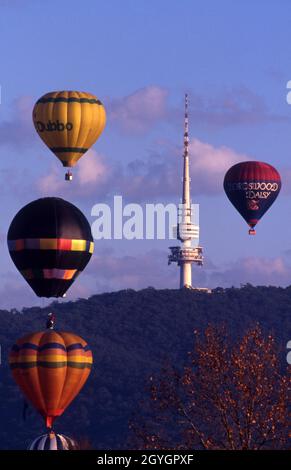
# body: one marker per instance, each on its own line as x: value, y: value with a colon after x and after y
x: 50, y: 259
x: 69, y: 123
x: 53, y: 273
x: 52, y: 441
x: 50, y: 244
x: 51, y: 368
x: 48, y: 272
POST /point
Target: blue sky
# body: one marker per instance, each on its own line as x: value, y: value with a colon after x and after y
x: 140, y: 57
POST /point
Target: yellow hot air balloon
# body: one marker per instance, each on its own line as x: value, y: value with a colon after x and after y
x: 69, y: 123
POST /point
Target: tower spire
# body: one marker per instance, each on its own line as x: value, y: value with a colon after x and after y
x: 186, y: 127
x: 186, y: 178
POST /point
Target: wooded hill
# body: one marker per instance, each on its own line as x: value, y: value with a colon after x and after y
x: 132, y: 334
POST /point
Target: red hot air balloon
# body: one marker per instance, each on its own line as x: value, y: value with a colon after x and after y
x: 50, y: 368
x: 252, y: 187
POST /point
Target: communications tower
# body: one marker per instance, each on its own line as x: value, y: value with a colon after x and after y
x: 189, y: 252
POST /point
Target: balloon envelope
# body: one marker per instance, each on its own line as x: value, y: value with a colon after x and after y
x: 50, y: 243
x: 69, y: 123
x: 252, y: 187
x: 50, y: 368
x: 52, y: 441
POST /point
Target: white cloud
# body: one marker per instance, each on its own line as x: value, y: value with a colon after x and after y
x: 19, y: 130
x: 156, y: 176
x: 91, y: 168
x: 237, y: 106
x: 151, y: 269
x: 139, y: 111
x: 209, y: 164
x: 254, y: 270
x: 90, y: 172
x: 136, y: 272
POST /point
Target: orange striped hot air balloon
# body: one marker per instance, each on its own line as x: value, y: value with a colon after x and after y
x: 50, y: 368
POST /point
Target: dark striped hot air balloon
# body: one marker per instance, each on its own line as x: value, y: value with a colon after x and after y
x: 50, y: 368
x: 252, y: 187
x: 69, y: 123
x: 52, y: 441
x: 50, y: 243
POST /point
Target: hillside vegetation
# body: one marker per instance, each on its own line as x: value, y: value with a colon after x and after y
x: 132, y: 334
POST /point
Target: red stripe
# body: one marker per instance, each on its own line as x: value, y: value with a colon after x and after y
x: 64, y: 244
x: 252, y: 171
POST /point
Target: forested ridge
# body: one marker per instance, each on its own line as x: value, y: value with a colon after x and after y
x: 132, y: 334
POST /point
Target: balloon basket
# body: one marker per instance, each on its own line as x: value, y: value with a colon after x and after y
x: 68, y: 176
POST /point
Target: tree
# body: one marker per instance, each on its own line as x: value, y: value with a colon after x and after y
x: 230, y: 396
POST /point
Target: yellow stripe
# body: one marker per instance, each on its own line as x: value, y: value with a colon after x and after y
x: 58, y: 358
x: 78, y: 245
x: 91, y: 248
x: 52, y: 358
x: 87, y: 359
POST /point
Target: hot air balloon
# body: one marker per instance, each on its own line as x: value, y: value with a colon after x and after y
x: 50, y: 243
x: 69, y: 123
x: 252, y: 187
x: 52, y: 441
x: 50, y: 368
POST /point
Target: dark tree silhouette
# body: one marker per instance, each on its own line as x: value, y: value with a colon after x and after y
x: 231, y: 396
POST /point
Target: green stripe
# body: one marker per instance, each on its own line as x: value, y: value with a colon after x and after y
x: 50, y: 365
x: 68, y: 149
x: 61, y: 99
